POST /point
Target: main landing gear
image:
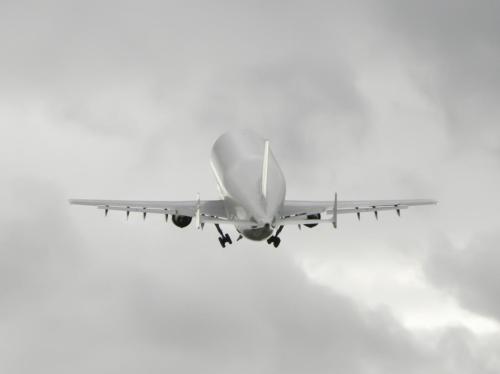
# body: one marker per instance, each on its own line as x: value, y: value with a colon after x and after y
x: 223, y: 238
x: 274, y: 240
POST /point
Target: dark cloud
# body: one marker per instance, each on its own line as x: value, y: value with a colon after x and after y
x: 287, y: 100
x: 462, y: 351
x: 470, y: 273
x: 454, y: 51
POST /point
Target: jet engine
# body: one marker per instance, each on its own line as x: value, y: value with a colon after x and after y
x: 181, y: 221
x: 312, y: 216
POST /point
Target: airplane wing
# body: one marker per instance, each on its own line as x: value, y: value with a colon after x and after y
x: 297, y: 211
x: 211, y: 211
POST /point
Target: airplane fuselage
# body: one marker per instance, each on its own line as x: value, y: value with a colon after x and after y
x: 253, y: 188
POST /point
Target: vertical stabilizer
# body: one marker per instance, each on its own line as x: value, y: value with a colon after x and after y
x: 265, y: 166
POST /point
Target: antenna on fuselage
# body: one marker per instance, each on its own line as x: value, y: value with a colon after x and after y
x: 265, y: 166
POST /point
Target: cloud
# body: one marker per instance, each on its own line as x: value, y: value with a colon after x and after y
x: 36, y: 240
x: 469, y: 273
x: 125, y: 304
x: 120, y: 99
x: 452, y: 49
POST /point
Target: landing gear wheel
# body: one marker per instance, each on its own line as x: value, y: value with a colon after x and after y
x: 274, y: 240
x: 222, y: 242
x: 227, y: 239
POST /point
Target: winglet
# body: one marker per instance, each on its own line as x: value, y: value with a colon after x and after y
x: 334, y: 217
x: 199, y: 224
x: 265, y: 166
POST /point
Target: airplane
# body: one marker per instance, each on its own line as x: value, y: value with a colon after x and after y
x: 252, y: 189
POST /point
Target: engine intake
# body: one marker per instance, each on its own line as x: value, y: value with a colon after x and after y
x: 312, y: 216
x: 181, y: 221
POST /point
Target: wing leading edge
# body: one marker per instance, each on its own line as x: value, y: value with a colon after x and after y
x: 212, y: 210
x: 296, y: 211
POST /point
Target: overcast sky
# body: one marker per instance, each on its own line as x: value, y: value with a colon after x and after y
x: 371, y: 99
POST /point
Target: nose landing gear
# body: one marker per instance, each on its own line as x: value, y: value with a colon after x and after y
x: 223, y: 238
x: 275, y: 240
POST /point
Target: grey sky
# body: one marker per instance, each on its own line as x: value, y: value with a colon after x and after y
x: 372, y: 100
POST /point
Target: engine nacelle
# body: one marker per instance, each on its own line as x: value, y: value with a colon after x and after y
x: 312, y: 216
x: 181, y: 221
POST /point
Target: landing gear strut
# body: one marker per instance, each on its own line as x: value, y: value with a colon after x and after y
x: 223, y: 238
x: 275, y: 240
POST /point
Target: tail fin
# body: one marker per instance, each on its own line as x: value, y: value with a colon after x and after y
x: 265, y: 166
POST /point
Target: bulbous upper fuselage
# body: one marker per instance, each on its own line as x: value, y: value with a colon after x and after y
x: 238, y: 162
